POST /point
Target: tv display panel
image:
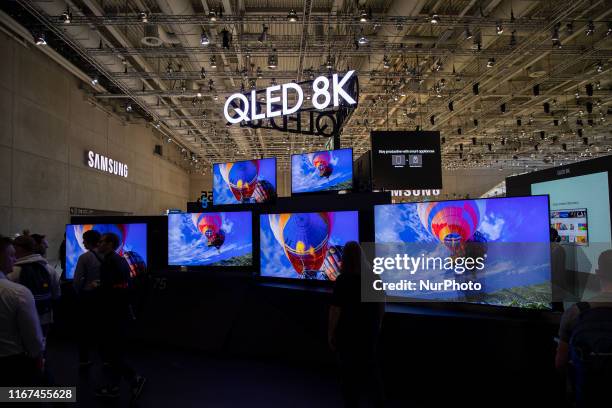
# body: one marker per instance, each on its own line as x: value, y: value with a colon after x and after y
x: 210, y: 239
x: 571, y: 200
x: 132, y: 238
x: 244, y: 182
x: 510, y: 235
x: 305, y: 245
x: 406, y: 160
x: 322, y: 171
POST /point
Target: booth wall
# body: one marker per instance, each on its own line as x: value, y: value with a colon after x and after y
x: 46, y: 125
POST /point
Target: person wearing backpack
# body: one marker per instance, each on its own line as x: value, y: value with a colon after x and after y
x: 32, y: 271
x: 585, y: 340
x: 114, y: 318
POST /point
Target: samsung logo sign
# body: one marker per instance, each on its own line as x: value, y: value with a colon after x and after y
x: 105, y: 164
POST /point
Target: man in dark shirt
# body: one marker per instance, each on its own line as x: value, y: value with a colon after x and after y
x: 354, y: 329
x: 114, y: 318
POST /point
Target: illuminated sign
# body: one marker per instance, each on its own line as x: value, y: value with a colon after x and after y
x: 105, y: 164
x: 329, y: 96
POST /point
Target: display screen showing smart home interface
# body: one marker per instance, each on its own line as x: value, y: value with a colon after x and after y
x: 306, y: 245
x: 210, y: 239
x: 406, y: 160
x: 244, y: 182
x: 572, y: 225
x: 322, y: 171
x: 506, y: 238
x: 132, y: 244
x: 572, y: 199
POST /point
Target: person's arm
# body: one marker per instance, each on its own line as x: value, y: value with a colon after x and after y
x: 332, y: 326
x: 562, y: 356
x: 80, y: 274
x: 28, y: 324
x: 56, y: 288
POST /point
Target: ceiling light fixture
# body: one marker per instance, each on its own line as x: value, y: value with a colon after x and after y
x: 386, y: 64
x: 213, y: 61
x: 67, y: 16
x: 499, y: 28
x: 599, y: 67
x: 94, y: 81
x: 263, y: 37
x: 204, y: 39
x: 212, y: 16
x: 272, y: 60
x: 363, y: 16
x: 362, y: 40
x: 128, y: 108
x: 329, y: 63
x: 202, y: 73
x: 435, y: 19
x: 490, y: 62
x: 144, y: 18
x: 468, y: 33
x: 40, y: 39
x: 292, y: 16
x: 590, y: 28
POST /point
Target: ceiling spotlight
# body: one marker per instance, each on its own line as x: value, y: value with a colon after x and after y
x: 213, y: 61
x: 94, y: 81
x: 386, y: 64
x: 499, y: 28
x: 599, y: 67
x: 438, y: 66
x: 263, y: 37
x: 292, y: 16
x: 144, y: 18
x: 435, y: 19
x: 273, y: 82
x: 490, y: 62
x: 569, y: 28
x: 329, y: 63
x: 212, y: 16
x: 364, y: 16
x: 555, y: 33
x: 202, y: 73
x: 609, y: 32
x: 362, y: 40
x: 468, y: 33
x: 169, y: 68
x: 204, y: 39
x: 128, y: 108
x: 216, y: 97
x: 66, y: 16
x: 590, y: 28
x: 272, y: 60
x: 40, y: 39
x: 259, y: 73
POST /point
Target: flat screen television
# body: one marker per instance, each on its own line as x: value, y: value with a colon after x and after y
x: 572, y: 199
x: 210, y: 239
x: 244, y: 182
x: 132, y: 238
x: 507, y: 238
x: 305, y: 245
x: 327, y: 170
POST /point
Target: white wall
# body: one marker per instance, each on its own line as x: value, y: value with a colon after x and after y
x: 45, y: 127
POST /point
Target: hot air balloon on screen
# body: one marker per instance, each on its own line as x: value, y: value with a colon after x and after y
x: 304, y: 238
x: 241, y: 177
x: 452, y: 222
x: 210, y: 225
x: 322, y: 162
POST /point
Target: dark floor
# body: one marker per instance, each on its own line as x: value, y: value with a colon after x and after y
x: 181, y: 378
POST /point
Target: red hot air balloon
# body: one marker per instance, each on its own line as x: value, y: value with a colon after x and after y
x: 210, y: 226
x: 322, y: 161
x: 304, y: 238
x: 452, y: 222
x: 241, y: 177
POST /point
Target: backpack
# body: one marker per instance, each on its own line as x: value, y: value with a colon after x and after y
x: 591, y: 353
x: 35, y: 277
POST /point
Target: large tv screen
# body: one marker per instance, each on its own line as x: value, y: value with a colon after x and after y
x: 406, y: 160
x: 132, y: 238
x: 305, y: 245
x: 508, y: 238
x: 210, y: 239
x: 244, y: 182
x: 327, y: 170
x: 580, y: 212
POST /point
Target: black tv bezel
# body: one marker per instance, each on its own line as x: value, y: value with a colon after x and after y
x: 147, y: 244
x: 246, y: 204
x: 321, y: 192
x: 471, y: 306
x: 307, y: 282
x: 174, y: 268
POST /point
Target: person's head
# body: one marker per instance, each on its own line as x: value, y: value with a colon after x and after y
x: 24, y: 246
x: 554, y: 235
x: 109, y: 242
x: 7, y: 254
x: 91, y: 239
x: 604, y: 270
x: 41, y: 244
x: 351, y: 258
